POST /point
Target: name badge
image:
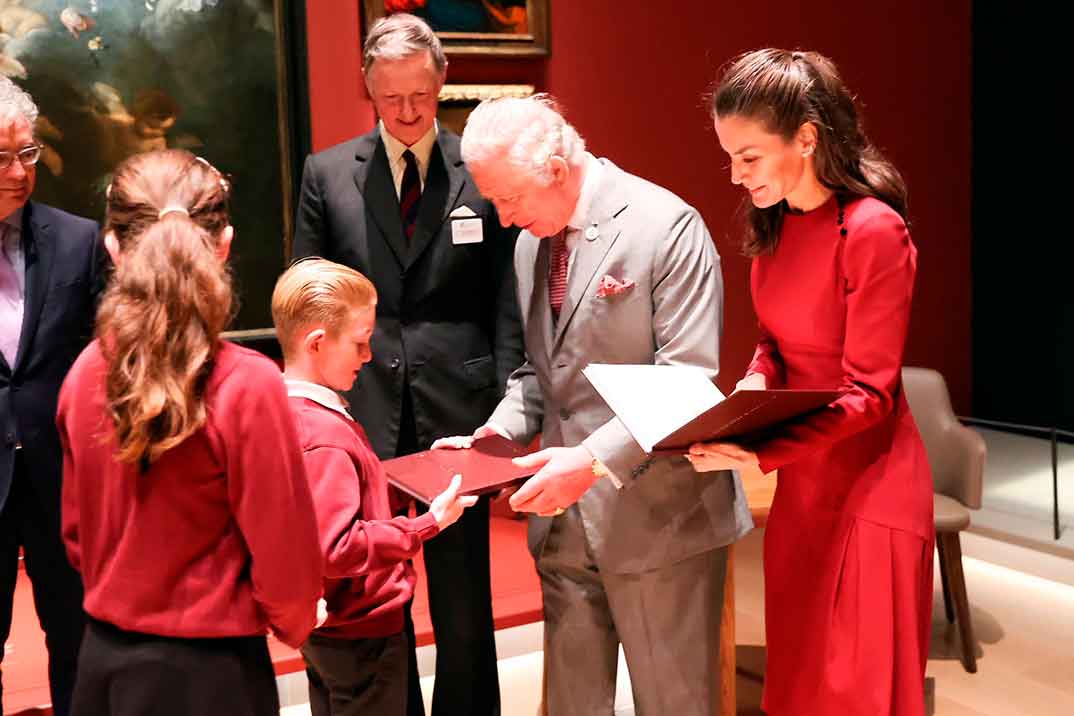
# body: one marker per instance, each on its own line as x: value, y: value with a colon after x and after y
x: 467, y: 231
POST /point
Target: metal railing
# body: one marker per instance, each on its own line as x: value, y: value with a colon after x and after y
x: 1053, y: 434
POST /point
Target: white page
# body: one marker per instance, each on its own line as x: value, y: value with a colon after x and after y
x: 653, y: 401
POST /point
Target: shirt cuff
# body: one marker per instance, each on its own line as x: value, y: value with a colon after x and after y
x: 602, y: 470
x: 498, y: 429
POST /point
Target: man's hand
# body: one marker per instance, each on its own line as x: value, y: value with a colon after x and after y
x: 447, y: 507
x: 463, y: 442
x: 563, y: 476
x: 708, y: 457
x: 322, y: 612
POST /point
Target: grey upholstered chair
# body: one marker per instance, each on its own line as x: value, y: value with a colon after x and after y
x: 957, y: 456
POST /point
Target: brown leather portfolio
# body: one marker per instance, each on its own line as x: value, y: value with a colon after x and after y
x: 746, y: 416
x: 485, y: 467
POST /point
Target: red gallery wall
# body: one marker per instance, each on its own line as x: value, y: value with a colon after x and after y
x: 631, y: 74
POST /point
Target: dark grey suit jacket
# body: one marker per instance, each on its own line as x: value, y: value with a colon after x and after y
x: 65, y: 266
x: 447, y: 315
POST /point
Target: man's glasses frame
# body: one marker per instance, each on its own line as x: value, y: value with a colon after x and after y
x: 27, y: 156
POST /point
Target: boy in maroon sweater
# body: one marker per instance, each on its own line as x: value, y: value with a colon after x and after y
x: 357, y: 660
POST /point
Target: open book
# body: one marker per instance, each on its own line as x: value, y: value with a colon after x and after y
x: 670, y: 407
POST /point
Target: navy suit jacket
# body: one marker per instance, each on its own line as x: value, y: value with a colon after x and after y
x: 447, y: 315
x: 65, y: 265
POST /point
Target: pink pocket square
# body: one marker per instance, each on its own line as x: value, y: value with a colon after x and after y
x: 610, y: 286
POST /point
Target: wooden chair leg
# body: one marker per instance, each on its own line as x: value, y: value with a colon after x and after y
x: 728, y: 696
x: 953, y: 552
x: 947, y: 608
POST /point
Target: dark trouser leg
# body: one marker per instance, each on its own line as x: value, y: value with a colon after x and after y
x: 319, y: 703
x: 9, y: 572
x: 127, y: 674
x: 57, y: 588
x: 407, y: 444
x: 460, y: 604
x: 57, y: 592
x: 360, y: 676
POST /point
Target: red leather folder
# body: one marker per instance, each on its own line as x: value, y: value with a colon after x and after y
x: 486, y: 467
x: 746, y: 416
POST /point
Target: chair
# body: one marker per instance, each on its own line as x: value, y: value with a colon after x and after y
x: 957, y: 456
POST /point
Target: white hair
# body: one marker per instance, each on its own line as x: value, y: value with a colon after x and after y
x: 526, y: 131
x: 401, y: 35
x: 16, y: 102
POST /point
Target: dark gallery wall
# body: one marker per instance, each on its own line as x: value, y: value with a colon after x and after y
x: 631, y: 76
x: 1023, y: 329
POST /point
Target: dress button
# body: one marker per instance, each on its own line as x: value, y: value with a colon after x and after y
x: 396, y: 363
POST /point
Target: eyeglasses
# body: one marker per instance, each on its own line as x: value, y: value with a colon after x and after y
x: 27, y: 157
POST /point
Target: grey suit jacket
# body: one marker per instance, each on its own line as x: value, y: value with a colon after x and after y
x: 665, y: 511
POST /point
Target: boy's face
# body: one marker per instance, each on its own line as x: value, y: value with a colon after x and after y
x: 342, y: 355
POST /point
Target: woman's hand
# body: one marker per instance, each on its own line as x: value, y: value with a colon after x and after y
x: 752, y: 381
x: 709, y: 457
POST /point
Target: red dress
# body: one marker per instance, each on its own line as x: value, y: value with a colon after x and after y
x: 848, y: 547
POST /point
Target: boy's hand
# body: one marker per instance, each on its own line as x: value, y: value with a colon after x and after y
x: 447, y: 507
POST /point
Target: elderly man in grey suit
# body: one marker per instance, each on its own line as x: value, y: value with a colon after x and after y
x: 630, y: 548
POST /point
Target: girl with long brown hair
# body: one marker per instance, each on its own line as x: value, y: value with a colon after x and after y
x: 185, y: 504
x: 848, y: 546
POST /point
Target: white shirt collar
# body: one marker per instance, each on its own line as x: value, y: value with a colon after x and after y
x: 593, y: 171
x: 319, y: 394
x: 422, y: 149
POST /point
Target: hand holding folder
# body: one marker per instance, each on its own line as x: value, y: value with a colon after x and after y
x: 485, y: 467
x: 667, y: 408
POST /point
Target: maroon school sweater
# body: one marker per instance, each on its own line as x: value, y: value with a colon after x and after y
x: 218, y: 537
x: 368, y: 576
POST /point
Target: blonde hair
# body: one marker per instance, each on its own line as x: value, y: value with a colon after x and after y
x: 317, y: 292
x: 170, y: 297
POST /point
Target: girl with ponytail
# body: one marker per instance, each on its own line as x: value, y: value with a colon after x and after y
x: 848, y: 546
x: 185, y: 504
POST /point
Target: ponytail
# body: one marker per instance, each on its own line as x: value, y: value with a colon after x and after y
x: 159, y: 324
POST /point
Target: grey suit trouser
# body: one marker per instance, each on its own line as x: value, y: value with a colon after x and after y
x: 667, y: 619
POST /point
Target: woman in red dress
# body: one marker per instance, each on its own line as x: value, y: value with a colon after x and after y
x: 848, y: 547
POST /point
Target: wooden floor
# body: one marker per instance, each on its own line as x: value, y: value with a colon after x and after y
x: 1024, y: 626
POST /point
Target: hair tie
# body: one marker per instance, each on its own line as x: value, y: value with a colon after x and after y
x: 170, y: 209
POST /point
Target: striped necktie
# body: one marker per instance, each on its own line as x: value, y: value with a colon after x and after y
x: 557, y: 272
x: 410, y: 195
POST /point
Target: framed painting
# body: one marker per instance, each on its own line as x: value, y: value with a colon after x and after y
x: 476, y: 27
x: 457, y: 101
x: 224, y: 79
